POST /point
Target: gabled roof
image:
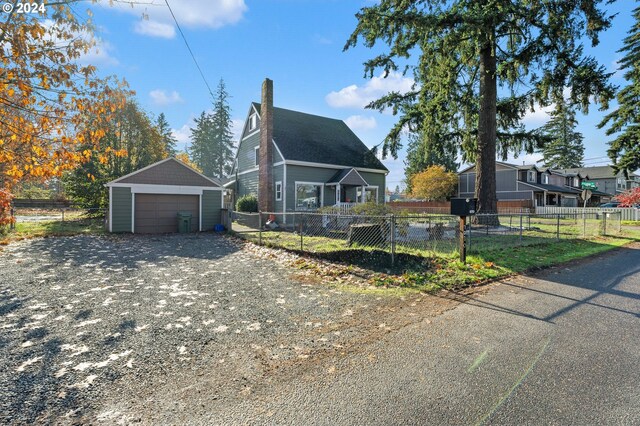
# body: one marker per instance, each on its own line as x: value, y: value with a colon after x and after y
x: 551, y: 188
x: 312, y: 138
x: 169, y: 171
x: 348, y: 177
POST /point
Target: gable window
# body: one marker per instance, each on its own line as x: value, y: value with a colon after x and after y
x: 308, y: 196
x: 253, y: 121
x: 531, y: 176
x: 545, y: 180
x: 278, y: 191
x: 257, y: 152
x: 576, y: 182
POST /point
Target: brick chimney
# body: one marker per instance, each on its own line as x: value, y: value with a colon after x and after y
x: 266, y: 196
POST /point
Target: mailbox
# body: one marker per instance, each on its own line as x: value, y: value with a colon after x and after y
x: 463, y: 206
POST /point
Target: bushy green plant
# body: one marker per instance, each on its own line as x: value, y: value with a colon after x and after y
x: 372, y: 209
x: 247, y: 203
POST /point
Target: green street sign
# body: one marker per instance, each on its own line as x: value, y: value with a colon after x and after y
x: 588, y: 185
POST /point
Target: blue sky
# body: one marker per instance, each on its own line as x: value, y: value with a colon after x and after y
x: 296, y: 43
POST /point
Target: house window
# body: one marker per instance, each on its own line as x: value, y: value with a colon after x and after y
x: 278, y: 191
x: 257, y: 152
x: 253, y: 121
x: 620, y: 183
x: 308, y: 196
x: 531, y: 176
x: 546, y: 179
x: 576, y: 182
x: 370, y: 194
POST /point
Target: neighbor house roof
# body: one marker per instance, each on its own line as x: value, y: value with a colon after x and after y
x: 312, y: 138
x: 552, y: 188
x: 169, y: 171
x: 596, y: 172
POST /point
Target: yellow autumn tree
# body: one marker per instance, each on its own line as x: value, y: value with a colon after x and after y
x: 434, y: 183
x: 50, y: 104
x: 184, y: 157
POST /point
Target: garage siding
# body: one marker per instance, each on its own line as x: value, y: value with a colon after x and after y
x: 121, y: 209
x: 158, y: 213
x: 211, y: 205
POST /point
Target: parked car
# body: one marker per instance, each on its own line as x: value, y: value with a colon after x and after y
x: 610, y: 204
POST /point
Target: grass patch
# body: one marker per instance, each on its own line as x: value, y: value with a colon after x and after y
x: 54, y: 228
x: 432, y: 268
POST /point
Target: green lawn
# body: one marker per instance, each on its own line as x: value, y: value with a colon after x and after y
x: 52, y: 228
x: 436, y: 265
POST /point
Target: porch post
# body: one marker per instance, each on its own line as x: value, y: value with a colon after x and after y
x: 362, y: 194
x: 338, y: 197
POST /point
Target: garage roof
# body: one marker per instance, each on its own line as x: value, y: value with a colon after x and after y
x: 169, y: 171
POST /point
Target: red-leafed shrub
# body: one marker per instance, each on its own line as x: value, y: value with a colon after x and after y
x: 5, y: 210
x: 629, y: 198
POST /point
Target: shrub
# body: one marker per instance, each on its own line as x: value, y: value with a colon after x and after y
x: 247, y: 203
x: 372, y: 209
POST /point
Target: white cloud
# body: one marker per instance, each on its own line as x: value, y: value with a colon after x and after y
x: 162, y: 98
x: 524, y: 158
x: 183, y: 136
x: 100, y: 54
x: 189, y: 13
x: 537, y: 117
x: 236, y: 128
x: 355, y: 96
x: 155, y: 29
x: 359, y: 122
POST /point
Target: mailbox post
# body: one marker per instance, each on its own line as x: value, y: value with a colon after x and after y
x: 463, y: 207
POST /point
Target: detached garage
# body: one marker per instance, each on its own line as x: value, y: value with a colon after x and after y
x: 148, y: 201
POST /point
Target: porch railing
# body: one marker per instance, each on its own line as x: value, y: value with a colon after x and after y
x: 344, y: 208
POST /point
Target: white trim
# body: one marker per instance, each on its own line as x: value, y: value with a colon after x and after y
x: 284, y: 195
x: 133, y: 212
x: 110, y: 209
x: 279, y: 182
x: 249, y: 135
x: 256, y: 155
x: 142, y: 188
x: 255, y: 169
x: 295, y: 188
x: 365, y: 190
x: 200, y: 213
x: 277, y: 149
x: 279, y: 163
x: 333, y: 166
x: 229, y: 183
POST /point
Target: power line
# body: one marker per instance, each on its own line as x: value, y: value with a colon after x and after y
x: 189, y: 48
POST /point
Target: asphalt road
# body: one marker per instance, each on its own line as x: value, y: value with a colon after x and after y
x: 562, y: 347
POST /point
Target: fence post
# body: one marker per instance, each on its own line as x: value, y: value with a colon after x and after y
x: 260, y: 228
x: 300, y: 232
x: 558, y: 226
x: 604, y: 223
x: 393, y: 240
x: 13, y: 221
x: 521, y: 228
x: 63, y: 215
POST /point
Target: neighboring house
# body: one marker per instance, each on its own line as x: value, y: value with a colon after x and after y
x: 148, y: 200
x: 545, y: 187
x: 606, y: 180
x: 295, y: 161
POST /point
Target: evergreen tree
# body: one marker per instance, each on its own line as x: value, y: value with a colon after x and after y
x: 168, y: 139
x: 221, y: 121
x: 422, y: 154
x: 202, y: 149
x: 531, y: 49
x: 625, y: 121
x: 211, y: 143
x: 564, y: 148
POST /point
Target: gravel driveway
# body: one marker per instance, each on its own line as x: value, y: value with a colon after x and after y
x: 116, y: 329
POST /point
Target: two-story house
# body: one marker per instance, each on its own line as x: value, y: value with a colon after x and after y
x: 293, y: 161
x: 545, y: 187
x: 606, y: 180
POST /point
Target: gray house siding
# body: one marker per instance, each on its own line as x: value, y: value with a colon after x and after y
x: 121, y: 209
x: 248, y: 184
x: 506, y: 180
x: 211, y: 205
x: 278, y: 176
x: 247, y: 152
x: 307, y: 174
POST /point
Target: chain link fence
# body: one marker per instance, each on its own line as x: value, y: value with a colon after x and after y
x: 416, y: 234
x: 61, y: 218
